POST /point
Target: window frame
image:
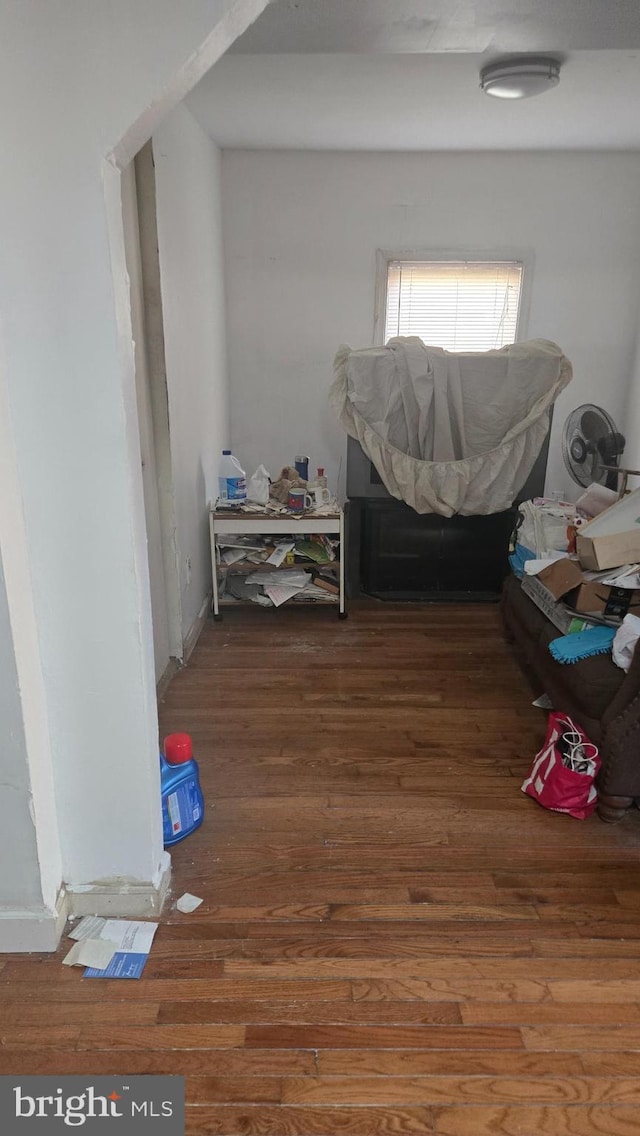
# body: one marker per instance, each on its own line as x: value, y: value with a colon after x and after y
x: 385, y: 256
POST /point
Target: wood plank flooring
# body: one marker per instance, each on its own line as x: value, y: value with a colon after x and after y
x: 393, y: 939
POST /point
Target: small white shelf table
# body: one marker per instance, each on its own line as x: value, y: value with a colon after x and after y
x: 275, y: 524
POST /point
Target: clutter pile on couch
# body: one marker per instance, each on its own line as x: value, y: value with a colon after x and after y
x: 598, y: 694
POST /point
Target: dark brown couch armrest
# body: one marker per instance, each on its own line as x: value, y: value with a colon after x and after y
x: 620, y: 773
x: 628, y: 692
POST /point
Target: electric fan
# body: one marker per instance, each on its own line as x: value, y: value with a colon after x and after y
x: 591, y: 446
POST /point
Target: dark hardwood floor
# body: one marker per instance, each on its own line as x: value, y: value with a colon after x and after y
x: 393, y: 938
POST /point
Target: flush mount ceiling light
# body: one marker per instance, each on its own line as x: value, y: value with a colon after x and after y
x: 520, y: 78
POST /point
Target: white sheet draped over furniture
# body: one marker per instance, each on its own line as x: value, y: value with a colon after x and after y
x: 450, y: 432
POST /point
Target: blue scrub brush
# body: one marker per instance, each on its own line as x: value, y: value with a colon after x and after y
x: 583, y: 644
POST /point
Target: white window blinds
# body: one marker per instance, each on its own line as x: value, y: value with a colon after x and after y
x: 458, y: 305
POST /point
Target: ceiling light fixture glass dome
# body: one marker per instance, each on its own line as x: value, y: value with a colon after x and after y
x: 520, y: 78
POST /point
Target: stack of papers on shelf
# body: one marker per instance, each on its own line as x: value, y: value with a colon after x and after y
x: 280, y: 593
x: 237, y: 585
x: 313, y: 592
x: 280, y: 551
x: 312, y: 551
x: 236, y: 548
x: 232, y: 555
x: 291, y: 577
x: 277, y: 587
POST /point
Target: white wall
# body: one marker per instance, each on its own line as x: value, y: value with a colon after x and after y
x: 631, y: 426
x: 187, y: 166
x: 19, y: 868
x: 77, y: 80
x: 301, y: 231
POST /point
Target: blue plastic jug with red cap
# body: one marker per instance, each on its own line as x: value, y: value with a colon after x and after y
x: 182, y: 799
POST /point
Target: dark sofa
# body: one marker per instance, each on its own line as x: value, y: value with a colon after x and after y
x: 595, y: 692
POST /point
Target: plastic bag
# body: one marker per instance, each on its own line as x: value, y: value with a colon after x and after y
x: 543, y: 526
x: 258, y: 486
x: 563, y: 771
x: 625, y: 642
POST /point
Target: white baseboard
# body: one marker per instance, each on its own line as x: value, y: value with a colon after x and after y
x: 121, y: 899
x: 33, y: 929
x: 164, y: 681
x: 189, y: 642
x: 37, y: 929
x: 194, y: 632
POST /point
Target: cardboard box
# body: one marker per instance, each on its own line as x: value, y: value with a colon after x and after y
x: 556, y: 612
x: 602, y: 599
x: 560, y: 577
x: 613, y: 537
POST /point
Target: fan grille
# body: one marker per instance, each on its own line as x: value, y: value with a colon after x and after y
x: 589, y: 433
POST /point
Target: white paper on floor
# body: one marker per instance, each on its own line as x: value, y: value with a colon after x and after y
x: 188, y: 902
x: 89, y: 927
x: 544, y: 702
x: 130, y: 940
x: 90, y: 952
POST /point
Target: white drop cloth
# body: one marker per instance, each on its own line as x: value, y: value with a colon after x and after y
x: 450, y: 432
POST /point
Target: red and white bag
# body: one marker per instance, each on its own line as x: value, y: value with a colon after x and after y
x: 564, y: 770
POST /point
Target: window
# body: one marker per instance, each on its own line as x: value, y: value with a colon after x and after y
x: 461, y: 305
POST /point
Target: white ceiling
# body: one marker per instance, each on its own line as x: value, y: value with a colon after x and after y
x: 403, y: 75
x: 327, y: 26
